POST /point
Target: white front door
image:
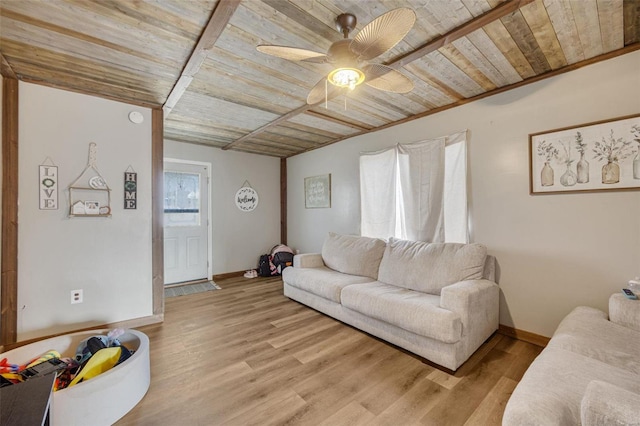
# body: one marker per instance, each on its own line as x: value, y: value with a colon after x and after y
x: 186, y: 201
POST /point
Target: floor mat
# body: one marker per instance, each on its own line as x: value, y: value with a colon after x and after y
x: 184, y: 290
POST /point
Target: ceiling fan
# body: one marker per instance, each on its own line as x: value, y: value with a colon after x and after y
x: 349, y: 57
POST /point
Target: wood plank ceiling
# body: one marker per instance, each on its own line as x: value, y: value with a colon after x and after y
x: 198, y: 59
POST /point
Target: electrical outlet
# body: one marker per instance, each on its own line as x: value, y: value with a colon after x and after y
x: 76, y: 296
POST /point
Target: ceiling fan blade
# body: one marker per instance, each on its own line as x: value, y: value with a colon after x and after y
x: 386, y: 78
x: 321, y: 91
x: 383, y: 33
x: 293, y: 53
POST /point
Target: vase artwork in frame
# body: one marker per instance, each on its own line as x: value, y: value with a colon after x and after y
x: 598, y: 156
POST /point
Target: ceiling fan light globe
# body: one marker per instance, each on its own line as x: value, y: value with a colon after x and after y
x: 346, y: 77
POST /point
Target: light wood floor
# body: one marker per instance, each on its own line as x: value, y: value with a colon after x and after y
x: 248, y: 355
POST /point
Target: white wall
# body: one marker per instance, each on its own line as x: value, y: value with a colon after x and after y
x: 109, y: 258
x: 555, y: 252
x: 238, y: 238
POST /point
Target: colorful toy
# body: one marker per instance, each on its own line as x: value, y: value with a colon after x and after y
x: 44, y: 357
x: 83, y: 352
x: 10, y: 372
x: 6, y: 367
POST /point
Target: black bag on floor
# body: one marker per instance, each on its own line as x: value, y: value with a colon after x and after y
x: 264, y: 266
x: 281, y: 257
x: 281, y: 260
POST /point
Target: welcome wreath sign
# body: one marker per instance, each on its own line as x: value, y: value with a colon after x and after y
x: 247, y: 199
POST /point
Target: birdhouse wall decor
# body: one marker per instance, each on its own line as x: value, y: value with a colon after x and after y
x: 89, y: 194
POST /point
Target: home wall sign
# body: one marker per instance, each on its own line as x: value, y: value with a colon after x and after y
x: 48, y: 173
x: 247, y: 198
x: 130, y: 189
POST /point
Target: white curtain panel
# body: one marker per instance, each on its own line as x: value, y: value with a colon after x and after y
x: 456, y: 213
x: 416, y: 191
x: 421, y: 175
x: 378, y: 193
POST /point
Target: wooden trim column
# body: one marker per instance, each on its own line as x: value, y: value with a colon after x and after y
x: 283, y: 201
x: 9, y: 286
x: 157, y: 211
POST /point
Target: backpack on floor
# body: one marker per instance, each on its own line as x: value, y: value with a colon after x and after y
x: 281, y: 257
x: 265, y: 267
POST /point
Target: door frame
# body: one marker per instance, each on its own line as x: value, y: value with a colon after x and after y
x: 209, y: 222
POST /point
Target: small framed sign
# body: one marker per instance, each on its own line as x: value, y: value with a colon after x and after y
x: 317, y: 192
x: 92, y: 207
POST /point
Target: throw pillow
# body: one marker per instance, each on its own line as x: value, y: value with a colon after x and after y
x: 351, y: 254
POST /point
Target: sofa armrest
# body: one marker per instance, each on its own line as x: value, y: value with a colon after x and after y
x: 607, y: 404
x: 477, y: 303
x: 308, y: 260
x: 624, y: 311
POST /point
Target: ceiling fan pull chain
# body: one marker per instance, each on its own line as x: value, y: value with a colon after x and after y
x: 326, y: 94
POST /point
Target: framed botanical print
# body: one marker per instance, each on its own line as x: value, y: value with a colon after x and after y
x: 604, y: 155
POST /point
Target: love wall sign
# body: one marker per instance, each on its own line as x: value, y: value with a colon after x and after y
x: 48, y: 187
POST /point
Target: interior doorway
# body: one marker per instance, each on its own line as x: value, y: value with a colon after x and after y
x: 187, y: 242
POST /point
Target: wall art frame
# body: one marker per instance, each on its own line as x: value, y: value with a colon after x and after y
x: 317, y: 192
x: 598, y: 156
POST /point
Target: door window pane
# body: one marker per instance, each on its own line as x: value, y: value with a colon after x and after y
x: 181, y: 199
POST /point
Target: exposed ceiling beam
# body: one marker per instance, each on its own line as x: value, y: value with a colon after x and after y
x: 468, y: 27
x: 337, y: 120
x: 5, y: 68
x: 261, y: 129
x: 219, y: 20
x: 299, y: 14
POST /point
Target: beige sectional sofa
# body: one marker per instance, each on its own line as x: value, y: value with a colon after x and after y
x: 439, y: 301
x: 589, y: 373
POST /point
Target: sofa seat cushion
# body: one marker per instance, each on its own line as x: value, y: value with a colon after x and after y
x: 413, y: 311
x: 607, y: 404
x: 428, y: 267
x: 552, y: 389
x: 588, y: 332
x: 353, y: 255
x: 323, y: 281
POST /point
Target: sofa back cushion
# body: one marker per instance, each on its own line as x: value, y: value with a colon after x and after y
x: 353, y: 255
x: 428, y: 267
